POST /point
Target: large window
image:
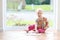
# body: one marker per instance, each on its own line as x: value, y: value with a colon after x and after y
x: 22, y: 13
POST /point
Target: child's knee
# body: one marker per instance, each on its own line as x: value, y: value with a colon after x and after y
x: 31, y: 27
x: 41, y: 31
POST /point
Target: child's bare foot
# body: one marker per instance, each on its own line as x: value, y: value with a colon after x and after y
x: 26, y: 31
x: 34, y: 30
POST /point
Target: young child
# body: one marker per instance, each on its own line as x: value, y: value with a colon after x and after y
x: 42, y: 23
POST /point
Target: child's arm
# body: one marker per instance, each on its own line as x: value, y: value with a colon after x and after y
x: 36, y: 24
x: 46, y: 26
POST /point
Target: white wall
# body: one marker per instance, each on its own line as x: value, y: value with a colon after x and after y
x: 1, y: 26
x: 58, y: 15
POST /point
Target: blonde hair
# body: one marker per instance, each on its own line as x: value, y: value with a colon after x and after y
x: 39, y: 10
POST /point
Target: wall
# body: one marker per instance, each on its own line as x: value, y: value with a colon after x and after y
x: 1, y: 15
x: 58, y: 15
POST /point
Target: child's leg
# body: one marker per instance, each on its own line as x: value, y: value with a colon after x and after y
x: 31, y: 27
x: 40, y: 30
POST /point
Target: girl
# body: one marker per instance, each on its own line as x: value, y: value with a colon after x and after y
x: 42, y: 23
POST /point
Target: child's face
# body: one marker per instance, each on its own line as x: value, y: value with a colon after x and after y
x: 39, y: 13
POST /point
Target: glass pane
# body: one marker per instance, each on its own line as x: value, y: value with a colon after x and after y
x: 22, y: 13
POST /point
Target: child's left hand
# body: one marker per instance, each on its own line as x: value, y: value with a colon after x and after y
x: 45, y: 27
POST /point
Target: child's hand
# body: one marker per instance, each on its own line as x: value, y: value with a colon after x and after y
x: 45, y: 27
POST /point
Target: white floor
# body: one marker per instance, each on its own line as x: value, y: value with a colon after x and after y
x: 22, y: 35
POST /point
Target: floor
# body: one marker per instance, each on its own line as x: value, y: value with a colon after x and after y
x: 22, y: 35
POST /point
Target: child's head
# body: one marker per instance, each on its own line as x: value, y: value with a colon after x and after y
x: 39, y: 13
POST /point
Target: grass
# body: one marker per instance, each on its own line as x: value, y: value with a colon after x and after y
x: 44, y: 7
x: 12, y: 22
x: 14, y: 6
